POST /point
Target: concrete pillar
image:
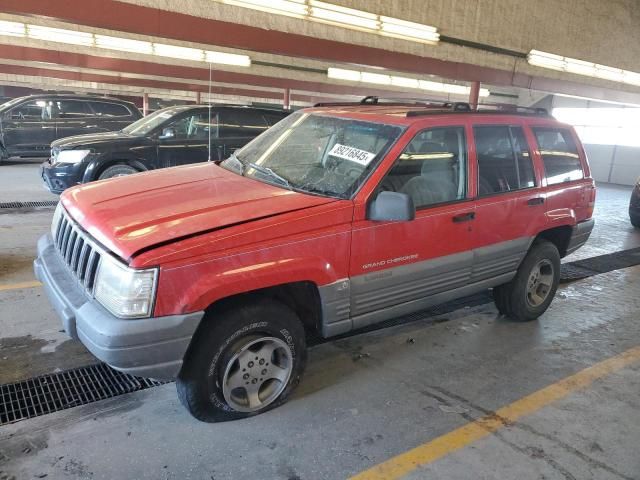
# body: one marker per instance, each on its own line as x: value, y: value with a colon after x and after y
x: 286, y: 101
x: 474, y: 94
x: 145, y: 104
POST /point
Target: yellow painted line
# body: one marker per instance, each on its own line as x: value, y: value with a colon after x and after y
x: 429, y: 452
x: 18, y: 286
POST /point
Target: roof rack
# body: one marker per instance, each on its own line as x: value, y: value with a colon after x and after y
x: 388, y: 101
x: 440, y: 106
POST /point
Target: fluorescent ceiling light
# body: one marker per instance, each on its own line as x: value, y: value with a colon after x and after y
x: 12, y: 29
x: 123, y: 44
x: 334, y: 14
x: 393, y: 27
x: 293, y: 8
x: 546, y: 60
x: 342, y: 74
x: 375, y: 78
x: 59, y: 35
x: 227, y: 58
x: 609, y: 73
x: 404, y: 82
x: 581, y: 67
x: 174, y: 51
x: 351, y: 18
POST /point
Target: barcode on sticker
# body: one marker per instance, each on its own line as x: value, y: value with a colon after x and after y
x: 353, y: 154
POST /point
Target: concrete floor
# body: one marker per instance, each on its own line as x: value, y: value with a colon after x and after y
x: 364, y: 399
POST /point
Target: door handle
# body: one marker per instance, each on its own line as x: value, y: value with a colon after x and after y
x: 535, y: 201
x: 464, y: 217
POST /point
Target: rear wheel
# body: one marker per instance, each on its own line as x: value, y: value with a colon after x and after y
x: 117, y: 171
x: 531, y: 291
x: 244, y: 362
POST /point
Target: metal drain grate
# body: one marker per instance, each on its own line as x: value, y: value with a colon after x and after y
x: 14, y: 205
x: 59, y: 391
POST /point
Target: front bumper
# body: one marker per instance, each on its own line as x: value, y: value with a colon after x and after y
x: 58, y: 177
x: 580, y: 235
x: 149, y: 347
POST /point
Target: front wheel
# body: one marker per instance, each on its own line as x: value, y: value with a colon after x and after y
x: 244, y: 361
x: 117, y: 171
x: 530, y: 292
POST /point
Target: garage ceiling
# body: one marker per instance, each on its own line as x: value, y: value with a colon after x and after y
x: 294, y: 53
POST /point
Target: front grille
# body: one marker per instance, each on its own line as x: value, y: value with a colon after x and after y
x: 77, y: 251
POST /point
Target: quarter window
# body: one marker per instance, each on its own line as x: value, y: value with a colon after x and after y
x: 559, y: 154
x: 504, y: 159
x: 432, y: 168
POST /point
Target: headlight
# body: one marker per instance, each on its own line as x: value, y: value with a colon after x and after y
x: 125, y: 292
x: 57, y: 214
x: 72, y: 156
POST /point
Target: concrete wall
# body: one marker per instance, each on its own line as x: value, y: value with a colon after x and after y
x: 609, y: 163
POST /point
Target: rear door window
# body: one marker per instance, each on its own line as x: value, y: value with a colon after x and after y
x: 504, y: 159
x: 241, y: 123
x: 105, y: 109
x: 559, y: 155
x: 73, y: 109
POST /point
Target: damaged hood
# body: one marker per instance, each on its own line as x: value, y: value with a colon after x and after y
x: 136, y: 212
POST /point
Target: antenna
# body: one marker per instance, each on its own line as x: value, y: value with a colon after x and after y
x: 209, y: 101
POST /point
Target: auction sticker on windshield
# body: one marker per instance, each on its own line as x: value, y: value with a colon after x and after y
x: 353, y: 154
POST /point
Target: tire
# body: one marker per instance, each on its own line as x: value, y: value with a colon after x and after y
x: 635, y: 221
x: 499, y: 298
x: 531, y: 291
x: 240, y: 338
x: 117, y: 171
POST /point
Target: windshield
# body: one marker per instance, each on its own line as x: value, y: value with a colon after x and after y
x: 145, y: 125
x: 316, y: 153
x: 10, y: 103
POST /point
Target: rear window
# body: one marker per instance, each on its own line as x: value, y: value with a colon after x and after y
x: 105, y: 109
x: 559, y: 154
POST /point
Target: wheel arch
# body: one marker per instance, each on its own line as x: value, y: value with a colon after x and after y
x: 303, y: 297
x: 96, y: 168
x: 560, y: 236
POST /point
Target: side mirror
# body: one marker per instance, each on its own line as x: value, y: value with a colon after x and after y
x: 167, y: 133
x: 391, y: 207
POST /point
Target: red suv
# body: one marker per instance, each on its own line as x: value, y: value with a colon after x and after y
x: 337, y: 217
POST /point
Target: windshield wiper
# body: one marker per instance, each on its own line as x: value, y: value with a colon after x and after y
x: 271, y: 173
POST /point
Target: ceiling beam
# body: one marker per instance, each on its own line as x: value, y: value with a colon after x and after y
x: 149, y: 83
x: 80, y: 60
